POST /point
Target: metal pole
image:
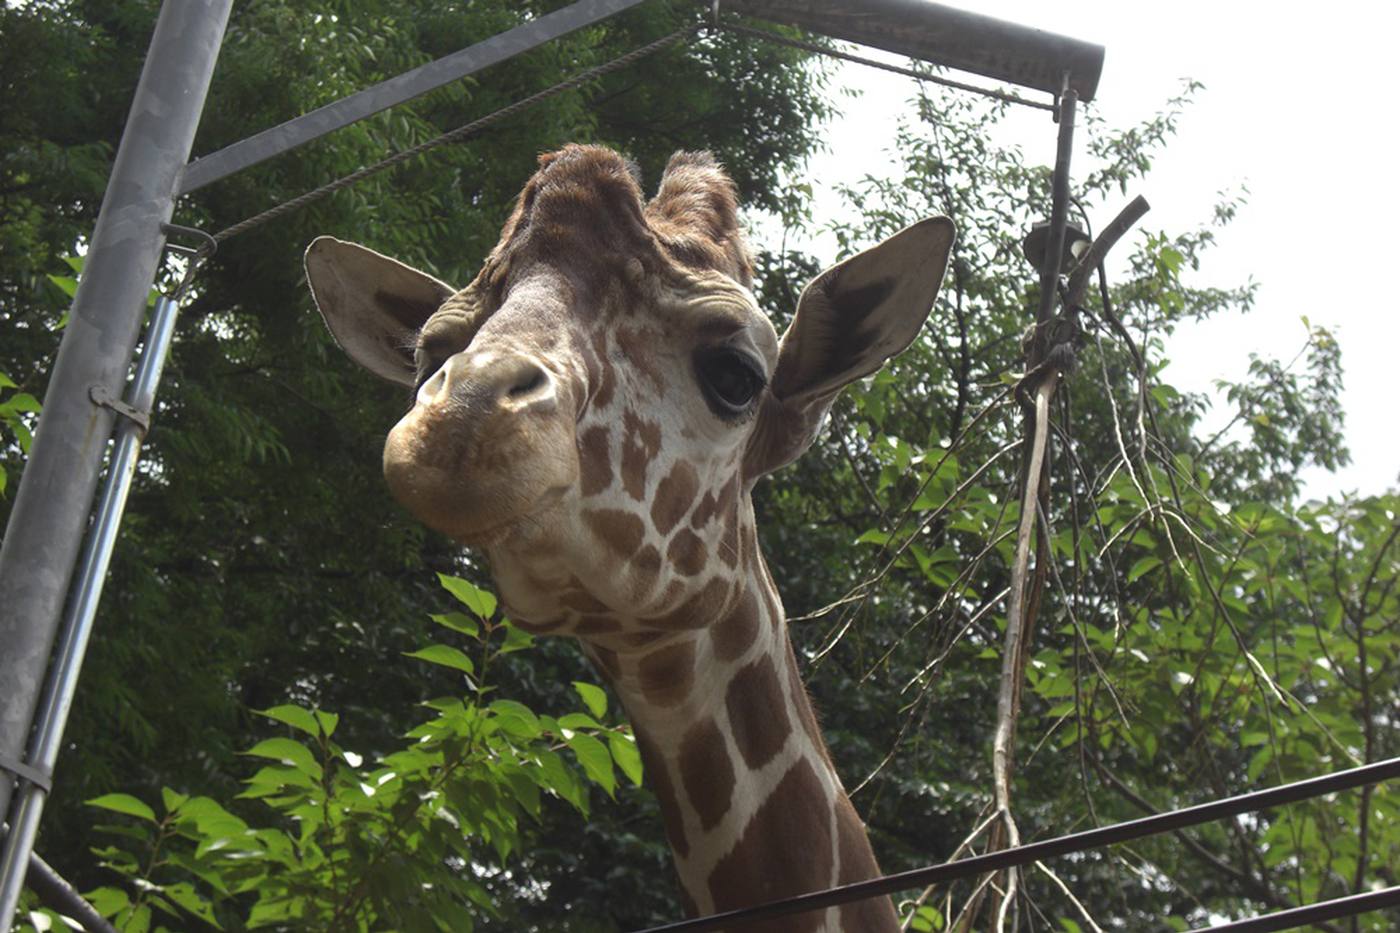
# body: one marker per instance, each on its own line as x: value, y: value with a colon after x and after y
x: 403, y: 87
x: 947, y: 36
x: 1054, y: 260
x: 82, y: 609
x: 55, y: 891
x: 54, y: 498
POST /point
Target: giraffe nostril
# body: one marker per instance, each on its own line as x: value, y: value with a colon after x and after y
x: 433, y: 385
x: 528, y: 382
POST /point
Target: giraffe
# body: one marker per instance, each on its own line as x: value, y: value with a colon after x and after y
x: 592, y: 412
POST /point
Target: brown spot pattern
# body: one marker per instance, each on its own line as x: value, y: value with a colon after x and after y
x: 687, y: 553
x: 607, y: 381
x: 699, y: 610
x: 784, y: 851
x: 688, y: 902
x: 622, y: 532
x: 606, y: 662
x: 648, y: 560
x: 706, y: 772
x: 640, y: 351
x: 580, y: 600
x: 597, y: 625
x: 705, y: 511
x: 674, y: 494
x: 758, y: 716
x: 640, y: 442
x: 666, y: 675
x: 538, y: 626
x: 858, y: 864
x: 736, y: 631
x: 594, y: 461
x: 658, y: 778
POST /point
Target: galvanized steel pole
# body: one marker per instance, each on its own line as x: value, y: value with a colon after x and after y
x: 55, y: 493
x: 28, y: 803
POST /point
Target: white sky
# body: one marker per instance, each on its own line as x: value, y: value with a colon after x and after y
x: 1299, y: 106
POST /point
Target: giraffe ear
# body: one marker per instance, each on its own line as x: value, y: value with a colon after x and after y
x: 850, y: 320
x: 373, y: 305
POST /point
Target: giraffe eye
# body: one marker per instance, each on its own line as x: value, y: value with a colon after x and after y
x: 729, y: 379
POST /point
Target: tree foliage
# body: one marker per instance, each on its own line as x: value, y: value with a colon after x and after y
x: 346, y: 845
x: 1201, y: 630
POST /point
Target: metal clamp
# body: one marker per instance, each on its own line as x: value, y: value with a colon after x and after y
x: 103, y: 398
x: 26, y: 772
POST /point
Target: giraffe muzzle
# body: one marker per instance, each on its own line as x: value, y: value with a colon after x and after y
x: 486, y: 443
x: 488, y: 384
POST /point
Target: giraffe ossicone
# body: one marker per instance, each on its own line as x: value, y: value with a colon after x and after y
x: 592, y: 413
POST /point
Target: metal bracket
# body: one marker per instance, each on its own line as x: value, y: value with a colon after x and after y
x: 102, y: 397
x: 28, y: 773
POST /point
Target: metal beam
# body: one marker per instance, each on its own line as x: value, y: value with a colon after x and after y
x: 303, y: 129
x: 55, y: 891
x: 54, y: 498
x: 943, y: 35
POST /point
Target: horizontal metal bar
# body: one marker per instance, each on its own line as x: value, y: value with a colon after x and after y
x: 943, y: 35
x: 55, y: 891
x: 1049, y: 848
x: 1295, y: 917
x: 303, y: 129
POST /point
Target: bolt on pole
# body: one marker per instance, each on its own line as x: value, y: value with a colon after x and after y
x: 54, y: 498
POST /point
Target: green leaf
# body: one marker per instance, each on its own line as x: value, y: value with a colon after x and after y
x: 577, y: 721
x: 875, y: 536
x: 123, y: 803
x: 474, y: 598
x: 625, y: 753
x: 517, y: 639
x: 445, y: 655
x: 458, y: 622
x: 594, y: 697
x: 66, y: 284
x: 554, y: 776
x: 1143, y: 565
x: 293, y: 716
x: 596, y: 761
x: 107, y: 901
x: 173, y: 800
x: 516, y: 718
x: 184, y: 894
x: 289, y: 752
x: 270, y: 911
x: 20, y: 401
x: 327, y: 722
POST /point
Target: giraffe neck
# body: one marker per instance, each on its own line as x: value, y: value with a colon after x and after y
x: 753, y: 807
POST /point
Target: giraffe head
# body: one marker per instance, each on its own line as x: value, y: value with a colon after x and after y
x: 594, y: 408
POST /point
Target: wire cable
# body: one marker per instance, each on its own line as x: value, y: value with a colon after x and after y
x: 813, y: 47
x: 460, y: 133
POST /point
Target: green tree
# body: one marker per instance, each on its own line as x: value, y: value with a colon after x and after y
x: 260, y: 563
x: 1200, y: 631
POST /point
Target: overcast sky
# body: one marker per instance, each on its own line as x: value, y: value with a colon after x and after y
x: 1298, y: 105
